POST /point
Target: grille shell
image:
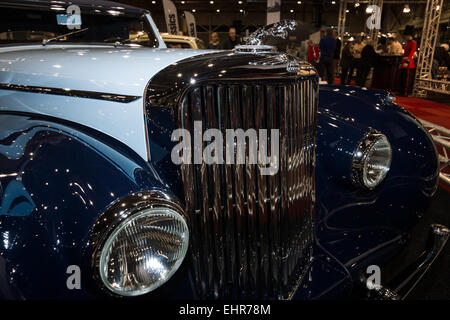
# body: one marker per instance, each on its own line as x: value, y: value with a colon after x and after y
x: 252, y: 234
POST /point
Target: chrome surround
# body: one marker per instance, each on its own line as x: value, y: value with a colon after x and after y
x: 226, y: 75
x: 71, y: 93
x: 407, y: 280
x: 120, y: 211
x: 360, y: 156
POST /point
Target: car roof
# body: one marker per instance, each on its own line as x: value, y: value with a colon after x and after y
x: 98, y: 4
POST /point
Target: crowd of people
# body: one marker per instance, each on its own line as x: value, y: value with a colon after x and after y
x: 358, y: 57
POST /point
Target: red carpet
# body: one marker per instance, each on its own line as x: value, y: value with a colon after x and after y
x: 434, y: 112
x: 427, y: 110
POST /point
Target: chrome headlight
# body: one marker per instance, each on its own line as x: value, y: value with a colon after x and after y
x: 371, y: 160
x: 144, y: 250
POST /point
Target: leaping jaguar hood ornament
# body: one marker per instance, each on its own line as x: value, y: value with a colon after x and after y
x: 277, y: 30
x: 255, y: 42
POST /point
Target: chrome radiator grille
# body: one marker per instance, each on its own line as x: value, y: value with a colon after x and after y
x: 251, y: 233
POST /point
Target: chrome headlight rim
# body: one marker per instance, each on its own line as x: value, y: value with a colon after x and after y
x: 118, y: 215
x: 360, y: 158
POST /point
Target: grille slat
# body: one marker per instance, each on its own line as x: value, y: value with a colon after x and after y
x: 263, y: 203
x: 251, y: 233
x: 252, y: 210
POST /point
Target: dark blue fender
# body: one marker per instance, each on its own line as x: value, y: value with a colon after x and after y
x: 56, y: 179
x: 361, y: 227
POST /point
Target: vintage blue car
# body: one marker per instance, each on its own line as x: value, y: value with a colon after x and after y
x: 93, y: 205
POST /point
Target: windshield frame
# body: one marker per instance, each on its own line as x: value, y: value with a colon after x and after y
x: 139, y: 14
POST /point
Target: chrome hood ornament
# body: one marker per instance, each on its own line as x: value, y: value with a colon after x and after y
x: 255, y: 42
x: 277, y: 30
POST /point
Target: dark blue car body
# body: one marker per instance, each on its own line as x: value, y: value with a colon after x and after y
x: 57, y: 177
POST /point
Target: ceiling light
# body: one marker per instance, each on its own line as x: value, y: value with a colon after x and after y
x: 369, y: 9
x: 357, y: 5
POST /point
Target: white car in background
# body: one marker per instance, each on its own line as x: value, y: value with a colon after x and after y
x: 182, y: 42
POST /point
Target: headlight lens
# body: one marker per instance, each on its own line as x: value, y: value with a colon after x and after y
x: 377, y: 163
x: 372, y: 160
x: 144, y: 251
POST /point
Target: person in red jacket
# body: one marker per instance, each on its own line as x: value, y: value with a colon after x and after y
x: 313, y: 53
x: 407, y: 64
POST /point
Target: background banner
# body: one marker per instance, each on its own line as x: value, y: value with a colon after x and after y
x: 273, y: 11
x: 190, y: 22
x: 170, y: 12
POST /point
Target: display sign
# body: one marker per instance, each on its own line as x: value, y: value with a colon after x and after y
x: 190, y: 22
x: 170, y: 12
x: 273, y: 11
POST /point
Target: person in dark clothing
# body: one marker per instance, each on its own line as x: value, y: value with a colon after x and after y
x: 368, y: 55
x: 327, y: 48
x: 232, y: 40
x: 337, y: 53
x: 346, y: 64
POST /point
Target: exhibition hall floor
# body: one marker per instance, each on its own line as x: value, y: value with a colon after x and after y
x: 437, y: 113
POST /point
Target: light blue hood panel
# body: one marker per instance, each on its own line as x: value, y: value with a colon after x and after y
x: 121, y: 71
x: 117, y: 70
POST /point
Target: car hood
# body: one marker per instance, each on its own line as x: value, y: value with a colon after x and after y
x: 115, y: 70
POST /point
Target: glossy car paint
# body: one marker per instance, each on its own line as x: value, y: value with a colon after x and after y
x: 65, y: 160
x: 48, y: 166
x: 361, y: 227
x: 86, y: 68
x: 58, y: 178
x: 354, y: 227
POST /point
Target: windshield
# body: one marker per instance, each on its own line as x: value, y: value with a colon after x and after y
x: 31, y: 25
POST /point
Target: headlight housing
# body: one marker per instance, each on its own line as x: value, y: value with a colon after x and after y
x: 371, y: 160
x: 145, y: 248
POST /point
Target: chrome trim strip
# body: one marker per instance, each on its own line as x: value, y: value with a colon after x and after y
x: 263, y: 203
x: 407, y: 279
x: 71, y: 93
